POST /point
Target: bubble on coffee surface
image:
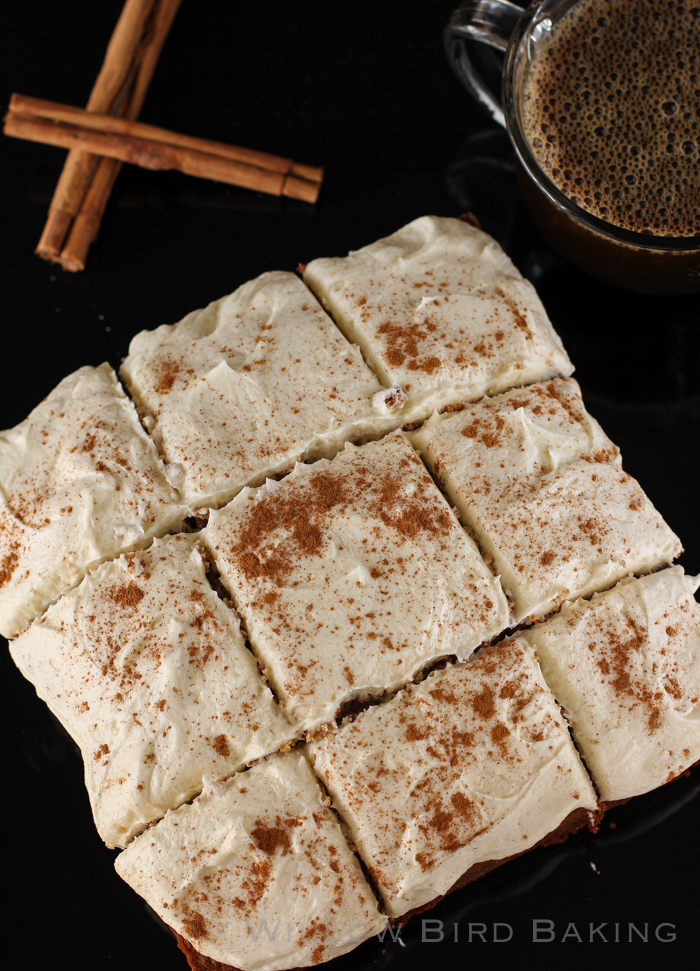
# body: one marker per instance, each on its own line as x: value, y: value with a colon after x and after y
x: 612, y: 112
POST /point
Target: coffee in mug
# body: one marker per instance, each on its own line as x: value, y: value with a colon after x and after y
x: 611, y: 109
x: 601, y: 99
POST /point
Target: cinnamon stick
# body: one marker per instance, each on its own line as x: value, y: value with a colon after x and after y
x: 109, y: 94
x: 36, y: 108
x: 86, y: 224
x: 123, y: 140
x: 98, y: 142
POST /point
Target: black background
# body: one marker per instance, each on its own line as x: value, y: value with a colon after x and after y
x: 363, y: 89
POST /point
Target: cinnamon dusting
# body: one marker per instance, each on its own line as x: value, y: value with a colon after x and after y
x: 617, y: 665
x: 276, y: 838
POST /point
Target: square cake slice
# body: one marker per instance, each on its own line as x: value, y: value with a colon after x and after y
x: 255, y: 381
x: 541, y: 488
x: 256, y: 873
x: 440, y: 310
x: 626, y: 668
x: 80, y: 482
x: 351, y: 576
x: 147, y: 669
x: 470, y: 767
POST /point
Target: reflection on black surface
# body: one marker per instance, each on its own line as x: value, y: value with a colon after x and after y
x: 485, y: 908
x: 481, y: 179
x: 369, y: 95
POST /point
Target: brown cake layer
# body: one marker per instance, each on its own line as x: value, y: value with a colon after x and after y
x: 613, y: 803
x: 572, y: 824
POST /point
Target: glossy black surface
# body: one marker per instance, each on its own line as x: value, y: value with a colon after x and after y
x: 363, y: 89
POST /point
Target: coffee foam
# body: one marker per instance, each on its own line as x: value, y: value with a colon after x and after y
x: 612, y: 112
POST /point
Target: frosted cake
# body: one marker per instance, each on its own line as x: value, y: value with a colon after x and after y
x: 541, y: 488
x: 352, y: 575
x: 471, y: 766
x: 625, y: 666
x: 147, y: 669
x: 290, y: 668
x: 439, y: 310
x: 263, y: 846
x: 250, y: 384
x: 80, y: 482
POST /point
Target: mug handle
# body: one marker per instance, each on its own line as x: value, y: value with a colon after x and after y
x: 490, y: 21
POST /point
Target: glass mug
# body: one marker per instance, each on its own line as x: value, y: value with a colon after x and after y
x: 641, y: 261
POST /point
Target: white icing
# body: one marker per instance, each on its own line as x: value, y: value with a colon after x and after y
x: 251, y: 383
x: 541, y: 487
x: 439, y: 310
x: 80, y: 483
x: 262, y: 847
x: 352, y: 576
x: 388, y: 402
x: 148, y: 671
x: 175, y: 474
x: 626, y: 668
x: 363, y: 577
x: 475, y: 764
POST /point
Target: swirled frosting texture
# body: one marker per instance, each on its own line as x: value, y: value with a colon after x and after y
x: 351, y: 575
x: 353, y: 578
x: 256, y: 872
x: 252, y: 383
x: 474, y: 764
x: 440, y: 310
x: 542, y: 489
x: 626, y: 668
x: 80, y: 482
x: 147, y: 669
